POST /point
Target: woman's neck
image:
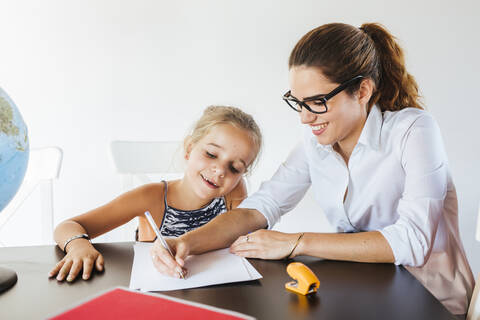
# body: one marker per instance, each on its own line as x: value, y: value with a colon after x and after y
x: 345, y: 146
x: 181, y: 196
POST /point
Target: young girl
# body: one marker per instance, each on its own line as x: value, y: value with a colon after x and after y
x: 221, y: 148
x: 375, y: 160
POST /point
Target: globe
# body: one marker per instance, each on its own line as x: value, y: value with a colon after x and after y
x: 14, y: 151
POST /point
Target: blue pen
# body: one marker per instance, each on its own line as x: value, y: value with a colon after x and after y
x: 159, y: 236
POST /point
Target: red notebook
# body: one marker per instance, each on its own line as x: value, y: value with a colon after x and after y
x: 122, y: 303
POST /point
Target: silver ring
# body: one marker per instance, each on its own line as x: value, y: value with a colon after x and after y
x: 247, y: 238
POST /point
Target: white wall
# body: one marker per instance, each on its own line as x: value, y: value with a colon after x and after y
x: 84, y: 73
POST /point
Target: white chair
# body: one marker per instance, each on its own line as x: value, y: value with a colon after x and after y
x: 43, y: 167
x: 138, y: 161
x: 141, y: 162
x: 474, y: 308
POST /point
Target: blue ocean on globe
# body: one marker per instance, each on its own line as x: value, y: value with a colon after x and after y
x: 14, y: 149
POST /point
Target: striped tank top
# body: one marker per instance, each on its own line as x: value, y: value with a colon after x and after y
x: 176, y: 222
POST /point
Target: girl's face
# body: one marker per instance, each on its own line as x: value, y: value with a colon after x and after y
x: 346, y: 115
x: 215, y: 163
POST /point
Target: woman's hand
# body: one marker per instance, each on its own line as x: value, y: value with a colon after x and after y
x: 81, y: 255
x: 165, y: 263
x: 264, y: 244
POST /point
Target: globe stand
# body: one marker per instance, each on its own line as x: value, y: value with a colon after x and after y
x: 8, y: 278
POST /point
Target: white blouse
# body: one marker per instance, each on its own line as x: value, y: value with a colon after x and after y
x: 398, y: 184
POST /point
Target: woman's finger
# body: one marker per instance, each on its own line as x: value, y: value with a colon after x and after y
x: 64, y: 270
x: 249, y: 253
x: 242, y: 246
x: 246, y: 249
x: 74, y: 270
x: 241, y: 240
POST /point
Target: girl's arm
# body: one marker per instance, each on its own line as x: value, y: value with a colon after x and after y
x: 218, y: 233
x: 80, y: 253
x: 118, y: 212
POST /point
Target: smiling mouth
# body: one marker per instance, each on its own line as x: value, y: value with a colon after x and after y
x: 320, y: 126
x: 210, y: 183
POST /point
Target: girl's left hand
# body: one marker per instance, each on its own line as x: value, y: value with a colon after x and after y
x: 264, y: 244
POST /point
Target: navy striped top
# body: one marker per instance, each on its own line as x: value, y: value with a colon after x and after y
x: 176, y: 222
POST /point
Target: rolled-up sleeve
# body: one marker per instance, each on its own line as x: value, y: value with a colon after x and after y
x: 284, y: 190
x: 421, y: 205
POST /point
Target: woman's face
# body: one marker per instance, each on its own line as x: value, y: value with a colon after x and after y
x: 346, y: 115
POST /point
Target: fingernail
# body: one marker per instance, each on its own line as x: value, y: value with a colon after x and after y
x: 179, y: 270
x: 85, y: 276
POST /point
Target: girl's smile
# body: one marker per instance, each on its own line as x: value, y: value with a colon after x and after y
x: 216, y: 163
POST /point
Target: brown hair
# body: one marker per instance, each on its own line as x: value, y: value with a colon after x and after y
x: 343, y: 51
x: 217, y: 115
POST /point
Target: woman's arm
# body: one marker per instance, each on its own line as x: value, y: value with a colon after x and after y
x: 218, y: 233
x: 361, y: 247
x: 275, y: 197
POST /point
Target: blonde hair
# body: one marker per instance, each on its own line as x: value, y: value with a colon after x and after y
x: 217, y: 115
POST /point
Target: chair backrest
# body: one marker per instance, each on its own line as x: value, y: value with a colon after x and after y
x: 141, y: 159
x: 474, y: 308
x: 43, y: 167
x: 139, y: 162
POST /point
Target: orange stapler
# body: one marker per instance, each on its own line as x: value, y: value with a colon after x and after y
x: 305, y: 281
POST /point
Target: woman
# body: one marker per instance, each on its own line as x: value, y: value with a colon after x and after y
x: 375, y: 160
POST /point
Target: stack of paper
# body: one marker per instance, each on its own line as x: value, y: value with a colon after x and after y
x: 210, y: 268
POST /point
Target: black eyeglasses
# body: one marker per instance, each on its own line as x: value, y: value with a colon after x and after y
x: 318, y: 103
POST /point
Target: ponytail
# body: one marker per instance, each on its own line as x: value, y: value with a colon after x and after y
x: 343, y: 52
x: 397, y: 89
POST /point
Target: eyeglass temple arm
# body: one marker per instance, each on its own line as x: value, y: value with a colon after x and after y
x: 342, y: 87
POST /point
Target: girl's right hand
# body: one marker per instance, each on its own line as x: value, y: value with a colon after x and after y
x: 165, y: 263
x: 81, y: 255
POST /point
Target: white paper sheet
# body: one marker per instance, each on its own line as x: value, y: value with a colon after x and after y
x: 210, y: 268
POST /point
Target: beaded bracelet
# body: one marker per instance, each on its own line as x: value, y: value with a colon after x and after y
x: 295, y: 246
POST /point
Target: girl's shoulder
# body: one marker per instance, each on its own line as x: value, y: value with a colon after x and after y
x: 152, y: 195
x: 152, y: 190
